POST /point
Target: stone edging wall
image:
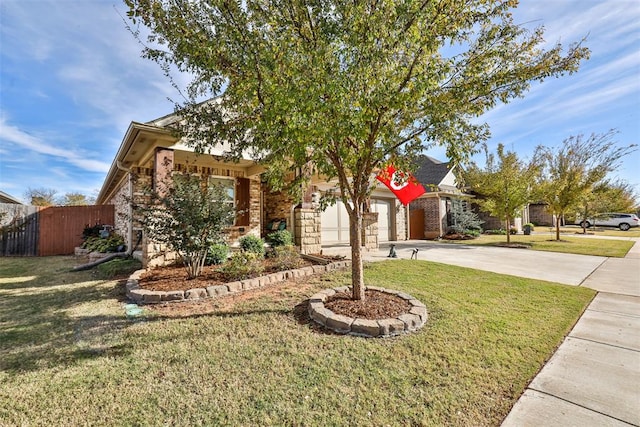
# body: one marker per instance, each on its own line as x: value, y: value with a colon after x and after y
x: 145, y: 296
x: 408, y: 322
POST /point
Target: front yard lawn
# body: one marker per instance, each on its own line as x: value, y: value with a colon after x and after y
x: 566, y: 244
x: 69, y: 355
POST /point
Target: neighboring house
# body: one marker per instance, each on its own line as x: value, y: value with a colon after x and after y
x: 7, y: 198
x: 430, y: 214
x: 149, y: 153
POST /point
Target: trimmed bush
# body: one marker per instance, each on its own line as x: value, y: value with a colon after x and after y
x: 253, y: 244
x: 217, y: 254
x: 110, y: 244
x: 286, y: 257
x: 242, y: 265
x: 280, y: 238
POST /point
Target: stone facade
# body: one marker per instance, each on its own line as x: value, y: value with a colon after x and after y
x: 307, y: 230
x: 370, y: 230
x: 277, y: 206
x: 402, y: 231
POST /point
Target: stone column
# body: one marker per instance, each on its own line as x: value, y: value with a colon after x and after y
x: 307, y: 230
x: 370, y: 230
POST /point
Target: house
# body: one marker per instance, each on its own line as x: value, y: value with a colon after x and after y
x: 7, y: 198
x: 430, y: 214
x: 150, y: 152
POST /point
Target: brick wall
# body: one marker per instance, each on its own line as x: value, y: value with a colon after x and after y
x: 539, y: 216
x: 434, y: 221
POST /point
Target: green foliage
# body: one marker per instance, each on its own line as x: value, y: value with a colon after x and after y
x: 499, y: 231
x: 218, y: 254
x: 574, y: 169
x: 338, y: 89
x: 91, y: 231
x: 243, y: 265
x: 251, y: 243
x: 187, y: 215
x: 504, y: 185
x: 280, y: 238
x: 530, y: 225
x: 118, y: 267
x: 107, y: 244
x: 465, y: 221
x: 286, y: 258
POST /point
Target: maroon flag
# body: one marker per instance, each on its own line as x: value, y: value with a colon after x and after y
x: 406, y: 188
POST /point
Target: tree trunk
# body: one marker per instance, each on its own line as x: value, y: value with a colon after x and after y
x: 357, y: 271
x: 508, y: 224
x: 558, y: 228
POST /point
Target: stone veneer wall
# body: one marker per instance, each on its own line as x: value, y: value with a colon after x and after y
x: 276, y: 206
x: 433, y: 221
x: 370, y: 230
x: 401, y: 221
x: 307, y: 230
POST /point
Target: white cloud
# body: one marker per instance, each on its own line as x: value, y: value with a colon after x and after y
x: 12, y: 134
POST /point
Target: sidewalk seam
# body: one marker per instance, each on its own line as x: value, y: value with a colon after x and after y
x: 578, y: 405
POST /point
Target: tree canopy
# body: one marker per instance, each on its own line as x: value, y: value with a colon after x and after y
x: 505, y: 184
x: 572, y: 170
x: 340, y: 88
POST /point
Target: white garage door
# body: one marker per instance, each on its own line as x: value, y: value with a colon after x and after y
x: 383, y: 207
x: 335, y: 222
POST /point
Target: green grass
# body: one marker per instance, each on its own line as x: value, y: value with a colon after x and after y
x: 595, y: 231
x: 68, y: 354
x: 566, y: 244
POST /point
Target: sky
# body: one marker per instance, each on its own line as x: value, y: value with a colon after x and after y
x: 72, y: 79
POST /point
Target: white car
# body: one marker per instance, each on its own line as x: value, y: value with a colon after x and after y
x: 623, y: 221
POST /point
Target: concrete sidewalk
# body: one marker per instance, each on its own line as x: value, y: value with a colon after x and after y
x: 593, y: 379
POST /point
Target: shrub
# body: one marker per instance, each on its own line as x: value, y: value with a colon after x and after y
x: 253, y: 244
x: 496, y: 232
x: 472, y: 233
x: 513, y: 230
x: 530, y: 225
x: 217, y: 254
x: 242, y: 265
x: 280, y: 238
x: 112, y: 243
x: 117, y: 267
x: 286, y: 258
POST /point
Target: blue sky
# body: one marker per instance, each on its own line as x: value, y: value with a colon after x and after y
x: 72, y: 79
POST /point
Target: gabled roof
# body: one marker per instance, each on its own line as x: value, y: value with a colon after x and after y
x: 431, y: 171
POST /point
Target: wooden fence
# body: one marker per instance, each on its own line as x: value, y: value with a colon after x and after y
x: 45, y: 231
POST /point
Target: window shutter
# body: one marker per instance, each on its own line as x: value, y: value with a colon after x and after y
x: 242, y: 201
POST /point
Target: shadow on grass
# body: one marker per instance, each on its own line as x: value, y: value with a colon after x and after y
x: 59, y: 322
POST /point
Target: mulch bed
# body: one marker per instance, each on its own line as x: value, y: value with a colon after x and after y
x: 376, y: 305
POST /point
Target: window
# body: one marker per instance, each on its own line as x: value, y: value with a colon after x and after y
x: 238, y: 196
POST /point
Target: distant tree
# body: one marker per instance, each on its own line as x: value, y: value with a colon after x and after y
x: 504, y: 184
x: 188, y: 216
x: 344, y: 86
x: 465, y: 220
x: 608, y: 196
x: 76, y: 199
x: 574, y: 169
x: 41, y: 196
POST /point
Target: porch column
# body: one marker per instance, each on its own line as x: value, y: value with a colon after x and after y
x: 307, y: 230
x: 370, y: 230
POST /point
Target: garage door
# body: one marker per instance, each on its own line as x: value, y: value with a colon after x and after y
x: 383, y: 207
x: 335, y: 222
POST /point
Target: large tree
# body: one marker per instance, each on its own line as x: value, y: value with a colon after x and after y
x: 608, y: 196
x: 504, y: 184
x: 572, y: 170
x: 41, y: 196
x: 345, y: 86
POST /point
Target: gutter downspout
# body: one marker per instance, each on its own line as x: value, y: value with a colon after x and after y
x: 129, y: 206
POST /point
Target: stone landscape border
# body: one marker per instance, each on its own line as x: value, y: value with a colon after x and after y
x: 146, y: 296
x: 407, y: 322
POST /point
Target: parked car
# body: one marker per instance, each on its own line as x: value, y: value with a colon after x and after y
x: 623, y: 221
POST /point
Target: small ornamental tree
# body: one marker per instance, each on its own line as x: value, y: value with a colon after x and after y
x: 504, y: 184
x: 343, y: 88
x: 572, y: 171
x: 188, y: 216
